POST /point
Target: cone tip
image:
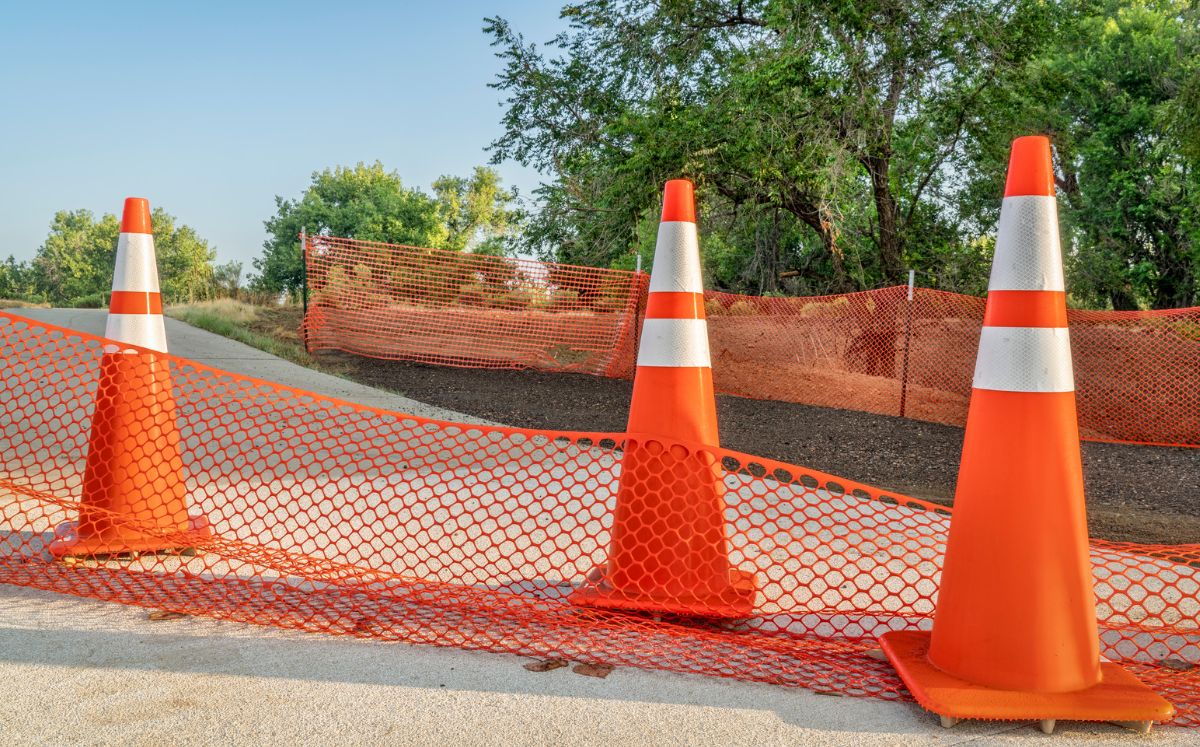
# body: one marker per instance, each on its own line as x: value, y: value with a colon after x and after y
x: 679, y: 203
x: 1030, y: 171
x: 136, y: 217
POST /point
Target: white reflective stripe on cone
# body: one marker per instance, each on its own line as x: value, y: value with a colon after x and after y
x: 136, y: 269
x: 1024, y: 359
x: 674, y: 343
x: 1028, y: 252
x: 676, y: 259
x: 146, y: 330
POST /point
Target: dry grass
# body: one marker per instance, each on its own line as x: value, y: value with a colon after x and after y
x: 15, y: 303
x: 262, y: 327
x: 235, y: 312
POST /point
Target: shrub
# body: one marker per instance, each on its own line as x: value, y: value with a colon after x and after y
x: 516, y: 299
x: 611, y: 295
x: 350, y: 290
x: 742, y: 308
x: 564, y: 299
x: 471, y: 294
x: 837, y: 307
x: 90, y: 301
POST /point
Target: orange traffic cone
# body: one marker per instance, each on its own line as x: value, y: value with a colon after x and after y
x: 1014, y: 633
x: 134, y: 497
x: 669, y: 551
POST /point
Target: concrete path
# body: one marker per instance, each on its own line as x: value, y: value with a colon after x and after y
x: 88, y: 673
x: 74, y: 671
x: 213, y: 350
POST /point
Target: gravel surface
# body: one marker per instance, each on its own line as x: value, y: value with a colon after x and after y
x: 1135, y: 493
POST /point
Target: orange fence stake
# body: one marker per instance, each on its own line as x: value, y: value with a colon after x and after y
x: 134, y: 496
x: 669, y: 550
x: 1014, y: 633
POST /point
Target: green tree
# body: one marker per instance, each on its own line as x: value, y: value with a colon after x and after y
x: 77, y: 258
x: 185, y: 261
x: 827, y: 130
x: 364, y: 202
x: 17, y: 280
x: 1111, y: 93
x: 478, y: 212
x: 1184, y: 121
x: 227, y: 279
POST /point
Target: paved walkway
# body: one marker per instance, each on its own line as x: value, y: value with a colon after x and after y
x: 74, y: 671
x: 213, y: 350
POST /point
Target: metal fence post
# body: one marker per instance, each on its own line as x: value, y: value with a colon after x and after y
x: 637, y: 311
x: 304, y: 286
x: 907, y: 338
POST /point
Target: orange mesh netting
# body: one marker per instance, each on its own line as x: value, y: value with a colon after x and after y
x: 306, y: 512
x: 456, y: 309
x: 1137, y: 374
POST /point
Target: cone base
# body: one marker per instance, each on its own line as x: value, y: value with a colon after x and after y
x: 1118, y: 697
x: 736, y: 602
x: 69, y: 545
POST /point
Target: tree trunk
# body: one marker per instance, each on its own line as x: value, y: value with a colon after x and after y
x: 764, y: 266
x: 891, y: 243
x: 829, y: 241
x: 1122, y: 299
x: 815, y: 217
x: 1176, y: 286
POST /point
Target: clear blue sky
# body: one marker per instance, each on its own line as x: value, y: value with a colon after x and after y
x: 210, y: 109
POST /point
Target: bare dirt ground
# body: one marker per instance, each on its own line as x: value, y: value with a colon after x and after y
x: 1135, y: 493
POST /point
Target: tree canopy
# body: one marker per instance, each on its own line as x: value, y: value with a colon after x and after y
x: 477, y: 212
x: 77, y: 258
x: 839, y: 143
x: 1110, y: 92
x: 74, y: 265
x: 369, y: 203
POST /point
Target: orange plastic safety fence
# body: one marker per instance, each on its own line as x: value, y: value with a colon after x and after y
x: 306, y: 512
x: 457, y: 309
x: 1137, y: 374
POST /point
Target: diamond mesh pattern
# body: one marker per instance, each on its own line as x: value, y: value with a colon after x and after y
x: 311, y: 513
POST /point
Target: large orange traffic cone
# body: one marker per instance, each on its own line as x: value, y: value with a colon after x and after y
x: 1014, y: 632
x: 669, y: 551
x: 134, y: 496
